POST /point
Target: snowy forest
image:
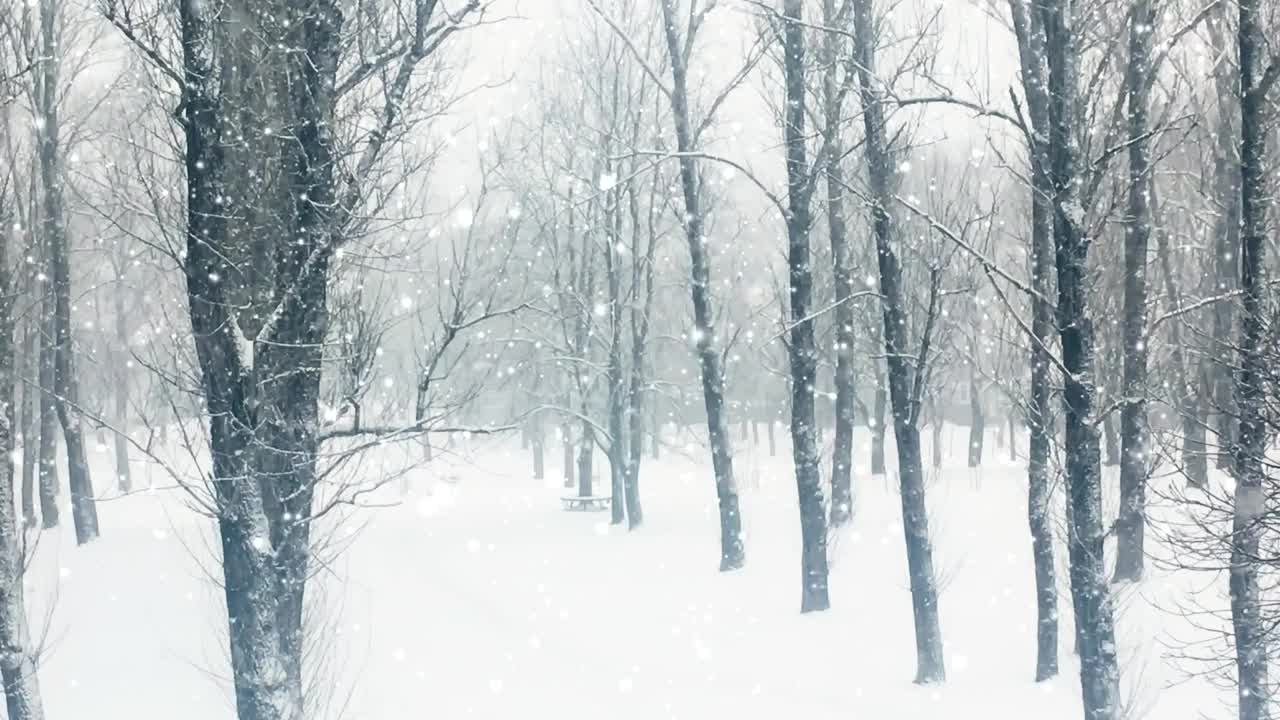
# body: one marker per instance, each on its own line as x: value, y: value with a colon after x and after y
x: 887, y: 359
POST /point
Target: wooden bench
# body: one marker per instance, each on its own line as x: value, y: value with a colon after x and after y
x: 585, y: 503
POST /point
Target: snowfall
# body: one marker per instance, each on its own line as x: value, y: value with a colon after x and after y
x: 462, y: 589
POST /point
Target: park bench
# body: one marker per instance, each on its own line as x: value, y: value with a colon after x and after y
x: 585, y: 503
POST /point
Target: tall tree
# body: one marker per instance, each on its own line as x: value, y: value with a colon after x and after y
x: 1257, y: 77
x: 679, y: 51
x: 1095, y: 624
x: 802, y: 350
x: 905, y: 387
x: 18, y: 669
x: 834, y: 54
x: 66, y: 384
x: 1131, y: 525
x: 1029, y: 31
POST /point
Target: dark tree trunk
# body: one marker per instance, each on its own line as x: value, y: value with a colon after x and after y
x: 1041, y: 425
x: 803, y: 350
x: 915, y: 520
x: 1013, y: 438
x: 1251, y: 502
x: 842, y: 273
x: 1131, y: 524
x: 66, y: 385
x: 977, y: 422
x: 1095, y: 625
x: 732, y: 551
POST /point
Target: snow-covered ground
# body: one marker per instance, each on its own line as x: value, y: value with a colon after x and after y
x: 474, y: 595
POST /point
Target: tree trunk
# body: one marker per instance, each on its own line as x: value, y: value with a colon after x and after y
x: 539, y: 442
x: 842, y: 274
x: 1251, y: 502
x: 732, y: 551
x: 27, y: 424
x: 66, y: 385
x: 17, y: 656
x: 1040, y: 421
x: 977, y: 421
x: 1095, y: 625
x: 930, y: 665
x: 772, y: 427
x: 613, y: 374
x: 878, y: 426
x: 566, y: 432
x: 802, y: 351
x: 655, y: 437
x: 48, y: 454
x: 121, y: 431
x: 1131, y: 524
x: 1226, y: 167
x: 586, y: 450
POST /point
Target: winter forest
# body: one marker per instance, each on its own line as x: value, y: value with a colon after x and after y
x: 680, y: 359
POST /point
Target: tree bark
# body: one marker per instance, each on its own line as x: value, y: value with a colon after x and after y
x: 1041, y: 425
x: 17, y: 656
x: 732, y: 551
x: 48, y: 450
x: 802, y: 351
x: 930, y: 665
x: 121, y: 395
x: 27, y: 423
x: 1095, y: 625
x: 566, y: 433
x: 878, y: 425
x: 977, y: 421
x: 1251, y: 503
x: 66, y: 385
x: 842, y: 274
x: 1131, y: 525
